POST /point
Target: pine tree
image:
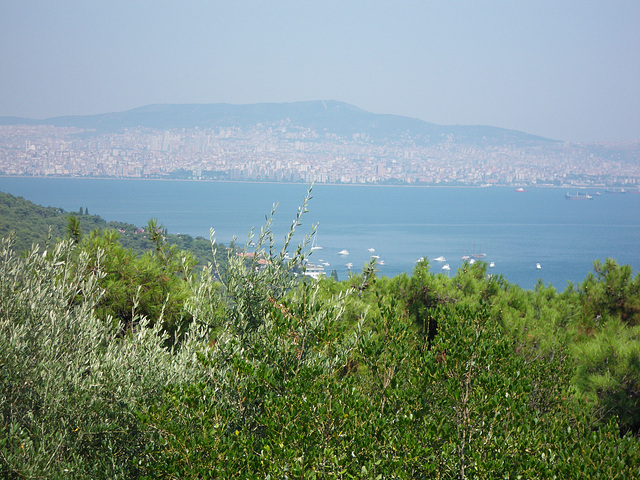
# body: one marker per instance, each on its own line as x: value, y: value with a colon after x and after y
x: 73, y: 229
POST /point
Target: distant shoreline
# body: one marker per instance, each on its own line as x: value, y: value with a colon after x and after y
x: 79, y: 177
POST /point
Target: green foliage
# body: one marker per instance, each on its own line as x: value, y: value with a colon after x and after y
x: 115, y: 364
x: 612, y: 292
x: 467, y: 400
x: 251, y: 281
x: 69, y: 385
x: 272, y: 342
x: 74, y: 230
x: 155, y: 285
x: 609, y: 372
x: 501, y: 404
x: 33, y: 224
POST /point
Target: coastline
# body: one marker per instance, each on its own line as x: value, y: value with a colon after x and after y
x: 257, y: 182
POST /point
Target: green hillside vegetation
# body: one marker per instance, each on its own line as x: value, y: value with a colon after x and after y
x: 145, y: 268
x: 250, y: 371
x: 34, y: 224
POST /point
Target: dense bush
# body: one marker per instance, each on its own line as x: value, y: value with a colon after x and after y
x: 156, y: 283
x: 69, y: 384
x: 114, y: 365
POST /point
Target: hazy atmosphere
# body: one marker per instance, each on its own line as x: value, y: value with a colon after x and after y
x: 319, y: 239
x: 565, y: 70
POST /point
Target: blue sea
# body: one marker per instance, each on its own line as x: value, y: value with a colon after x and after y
x: 516, y: 230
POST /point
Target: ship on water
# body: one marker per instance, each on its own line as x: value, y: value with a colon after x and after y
x: 477, y: 255
x: 578, y: 196
x: 313, y: 271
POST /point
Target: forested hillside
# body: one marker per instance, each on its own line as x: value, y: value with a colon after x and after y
x: 34, y: 224
x: 115, y: 365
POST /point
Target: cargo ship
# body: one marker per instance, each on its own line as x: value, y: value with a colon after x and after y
x: 578, y: 196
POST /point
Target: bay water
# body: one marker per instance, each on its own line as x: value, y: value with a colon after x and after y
x: 516, y: 230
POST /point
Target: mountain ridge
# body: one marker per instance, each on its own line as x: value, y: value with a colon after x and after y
x: 328, y: 116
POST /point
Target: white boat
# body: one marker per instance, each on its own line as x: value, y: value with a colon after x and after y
x: 343, y: 252
x: 472, y: 261
x: 313, y: 271
x: 314, y: 245
x: 375, y: 256
x: 446, y: 267
x: 349, y: 265
x: 440, y: 259
x: 381, y: 262
x: 371, y: 249
x: 538, y: 266
x: 492, y: 264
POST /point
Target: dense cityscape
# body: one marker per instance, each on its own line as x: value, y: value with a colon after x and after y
x: 284, y: 152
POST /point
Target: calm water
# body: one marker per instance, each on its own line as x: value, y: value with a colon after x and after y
x: 515, y: 230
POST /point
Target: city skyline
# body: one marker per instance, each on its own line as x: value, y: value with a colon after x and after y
x: 562, y: 70
x: 283, y: 151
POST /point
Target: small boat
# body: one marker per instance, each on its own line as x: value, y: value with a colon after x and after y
x: 375, y: 256
x: 476, y: 254
x: 381, y: 262
x: 314, y: 245
x: 343, y: 252
x: 472, y: 261
x: 440, y: 259
x: 492, y: 264
x: 371, y: 250
x: 446, y: 267
x: 538, y: 266
x: 349, y: 265
x: 520, y: 190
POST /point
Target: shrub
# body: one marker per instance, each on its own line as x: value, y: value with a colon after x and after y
x: 68, y: 384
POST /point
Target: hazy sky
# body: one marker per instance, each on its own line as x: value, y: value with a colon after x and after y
x: 564, y: 69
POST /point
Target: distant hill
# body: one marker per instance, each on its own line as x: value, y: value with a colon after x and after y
x: 330, y: 116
